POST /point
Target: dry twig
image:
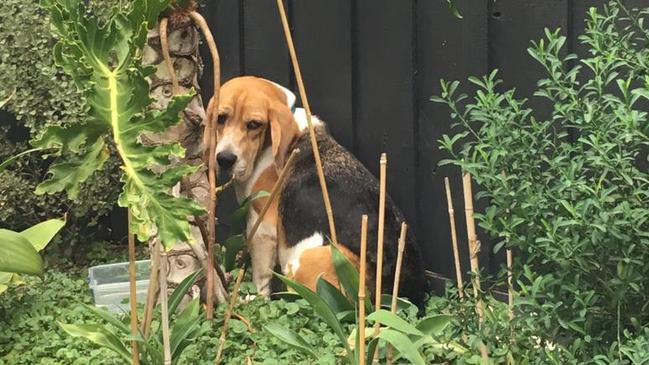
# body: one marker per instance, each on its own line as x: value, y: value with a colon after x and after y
x: 361, y: 292
x: 456, y: 252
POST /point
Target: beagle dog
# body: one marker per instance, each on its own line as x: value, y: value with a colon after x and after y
x: 256, y: 131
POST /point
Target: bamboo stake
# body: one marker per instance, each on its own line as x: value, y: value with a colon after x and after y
x: 397, y: 277
x: 361, y: 292
x: 152, y: 289
x: 211, y: 163
x: 510, y: 282
x: 456, y: 252
x: 307, y: 108
x: 135, y: 354
x: 164, y: 269
x: 379, y: 245
x: 474, y: 249
x: 473, y: 243
x: 380, y: 233
x: 228, y: 315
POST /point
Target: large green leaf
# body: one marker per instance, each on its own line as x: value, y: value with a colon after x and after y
x: 435, y: 324
x: 17, y: 255
x: 291, y: 338
x: 348, y: 277
x: 330, y: 294
x: 177, y: 296
x: 239, y: 218
x: 184, y: 327
x: 321, y: 308
x: 233, y: 245
x: 403, y: 344
x: 123, y: 328
x: 41, y: 234
x: 394, y: 321
x: 99, y: 336
x: 104, y: 61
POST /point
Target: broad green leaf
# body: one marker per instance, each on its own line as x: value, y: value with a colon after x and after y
x: 321, y: 308
x: 348, y: 277
x: 240, y: 216
x: 184, y: 326
x: 434, y: 325
x: 333, y: 296
x: 4, y: 164
x: 233, y: 245
x: 453, y: 8
x: 124, y: 328
x: 99, y: 336
x: 104, y: 61
x: 17, y: 255
x: 394, y: 321
x: 41, y: 234
x: 68, y: 175
x: 177, y: 296
x: 291, y: 338
x: 407, y: 349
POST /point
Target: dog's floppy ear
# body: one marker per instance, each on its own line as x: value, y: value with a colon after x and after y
x: 283, y: 131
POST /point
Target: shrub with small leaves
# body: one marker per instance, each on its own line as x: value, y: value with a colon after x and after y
x: 569, y: 193
x: 43, y: 95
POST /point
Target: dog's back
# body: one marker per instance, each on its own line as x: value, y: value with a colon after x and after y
x: 353, y: 191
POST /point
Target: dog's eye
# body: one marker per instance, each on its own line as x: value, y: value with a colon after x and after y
x: 221, y: 119
x: 253, y: 125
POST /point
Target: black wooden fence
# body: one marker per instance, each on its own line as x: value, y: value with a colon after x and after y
x: 370, y: 67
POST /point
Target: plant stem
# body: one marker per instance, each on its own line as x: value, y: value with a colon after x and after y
x: 228, y: 315
x: 211, y: 163
x: 152, y: 291
x: 164, y: 269
x: 361, y: 292
x: 133, y: 291
x: 397, y: 276
x: 510, y: 282
x: 456, y: 252
x: 383, y: 162
x: 307, y: 108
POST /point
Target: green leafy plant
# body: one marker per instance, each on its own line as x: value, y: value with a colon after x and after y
x: 116, y: 335
x: 44, y: 95
x: 569, y: 192
x: 334, y: 307
x: 19, y: 251
x: 104, y: 61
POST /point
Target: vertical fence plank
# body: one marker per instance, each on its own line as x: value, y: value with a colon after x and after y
x: 383, y: 94
x: 265, y: 52
x: 322, y: 35
x: 452, y: 49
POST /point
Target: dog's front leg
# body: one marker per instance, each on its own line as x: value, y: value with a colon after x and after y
x: 263, y: 256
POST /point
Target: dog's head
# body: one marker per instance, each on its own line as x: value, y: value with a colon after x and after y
x: 253, y: 113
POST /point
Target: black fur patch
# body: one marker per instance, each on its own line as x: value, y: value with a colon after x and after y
x: 353, y: 191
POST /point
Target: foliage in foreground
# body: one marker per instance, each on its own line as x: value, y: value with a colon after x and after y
x: 569, y: 193
x: 104, y: 60
x: 43, y: 95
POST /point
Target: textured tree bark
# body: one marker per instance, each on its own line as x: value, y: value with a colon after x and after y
x: 183, y: 39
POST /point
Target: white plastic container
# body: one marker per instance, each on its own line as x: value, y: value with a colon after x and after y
x: 110, y: 284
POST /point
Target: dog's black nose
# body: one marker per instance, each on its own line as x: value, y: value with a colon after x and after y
x: 226, y: 159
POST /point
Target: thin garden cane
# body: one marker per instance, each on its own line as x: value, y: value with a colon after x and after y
x: 235, y: 291
x: 474, y: 249
x: 164, y: 308
x: 379, y: 244
x: 152, y: 289
x: 211, y: 163
x: 228, y: 315
x: 135, y: 353
x: 361, y: 291
x: 307, y: 108
x: 456, y: 252
x: 397, y: 277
